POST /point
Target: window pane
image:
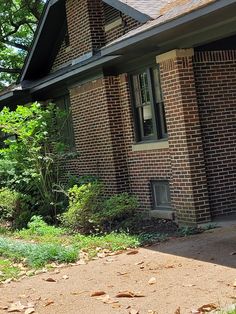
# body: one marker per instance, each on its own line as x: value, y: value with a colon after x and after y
x: 161, y: 194
x: 157, y: 85
x: 145, y: 95
x: 147, y: 120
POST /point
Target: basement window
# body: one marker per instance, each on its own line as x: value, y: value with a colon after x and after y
x: 161, y: 195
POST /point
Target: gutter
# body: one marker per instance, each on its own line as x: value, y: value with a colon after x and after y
x: 114, y: 51
x: 165, y: 26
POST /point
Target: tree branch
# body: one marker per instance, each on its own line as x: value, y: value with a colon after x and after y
x: 16, y: 45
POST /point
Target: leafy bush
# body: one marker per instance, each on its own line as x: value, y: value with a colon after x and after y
x: 9, y: 203
x: 88, y: 211
x: 84, y: 202
x: 30, y: 160
x: 115, y: 209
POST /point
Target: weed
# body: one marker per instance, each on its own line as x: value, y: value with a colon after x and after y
x: 7, y: 270
x: 36, y: 255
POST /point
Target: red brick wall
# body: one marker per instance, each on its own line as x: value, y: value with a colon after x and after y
x: 143, y: 166
x: 188, y: 178
x: 85, y: 26
x: 215, y: 74
x: 98, y: 135
x: 63, y: 56
x: 118, y: 31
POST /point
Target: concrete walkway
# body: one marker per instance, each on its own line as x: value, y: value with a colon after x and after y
x: 186, y: 273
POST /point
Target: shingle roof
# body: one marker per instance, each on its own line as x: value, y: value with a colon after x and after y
x: 164, y: 10
x: 157, y: 8
x: 149, y: 7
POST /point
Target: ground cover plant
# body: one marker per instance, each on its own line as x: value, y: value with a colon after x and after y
x: 41, y: 245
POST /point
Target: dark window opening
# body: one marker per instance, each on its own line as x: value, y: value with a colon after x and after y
x: 161, y: 195
x: 148, y: 106
x: 66, y: 129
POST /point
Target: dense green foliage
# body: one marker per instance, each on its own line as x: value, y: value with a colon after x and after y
x: 9, y: 203
x: 90, y: 211
x: 18, y: 22
x: 29, y: 162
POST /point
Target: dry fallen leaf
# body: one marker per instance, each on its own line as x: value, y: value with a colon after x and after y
x: 101, y: 255
x: 152, y: 281
x: 30, y: 311
x: 49, y: 302
x: 129, y: 294
x: 177, y: 311
x: 78, y: 292
x: 119, y: 273
x: 16, y: 307
x: 106, y: 299
x: 49, y: 279
x: 81, y: 262
x: 207, y: 307
x: 139, y: 263
x: 65, y: 277
x: 116, y: 305
x: 133, y: 311
x: 97, y: 293
x: 133, y: 252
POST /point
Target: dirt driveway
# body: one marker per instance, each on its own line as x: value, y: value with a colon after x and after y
x: 187, y: 273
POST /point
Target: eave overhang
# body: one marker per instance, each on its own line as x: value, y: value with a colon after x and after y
x: 199, y: 27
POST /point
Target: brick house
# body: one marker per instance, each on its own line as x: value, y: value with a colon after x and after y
x: 152, y: 89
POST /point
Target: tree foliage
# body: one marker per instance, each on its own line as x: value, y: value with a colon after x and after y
x: 30, y: 161
x: 18, y: 21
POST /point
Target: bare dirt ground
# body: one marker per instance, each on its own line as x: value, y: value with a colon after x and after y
x: 188, y: 272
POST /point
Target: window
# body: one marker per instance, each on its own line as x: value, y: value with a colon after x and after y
x: 161, y: 195
x: 111, y: 15
x: 148, y: 105
x: 63, y: 103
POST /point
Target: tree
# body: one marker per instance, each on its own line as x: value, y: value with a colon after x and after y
x: 18, y: 21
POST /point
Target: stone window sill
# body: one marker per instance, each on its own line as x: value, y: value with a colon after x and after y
x: 150, y: 146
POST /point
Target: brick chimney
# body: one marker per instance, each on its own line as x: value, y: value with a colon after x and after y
x: 85, y: 20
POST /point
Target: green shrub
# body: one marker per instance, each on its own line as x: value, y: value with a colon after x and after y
x: 38, y: 227
x: 84, y: 202
x: 88, y: 211
x: 115, y: 209
x: 9, y: 203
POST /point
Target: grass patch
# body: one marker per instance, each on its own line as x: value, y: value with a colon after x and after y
x: 7, y: 270
x: 111, y: 242
x: 36, y: 255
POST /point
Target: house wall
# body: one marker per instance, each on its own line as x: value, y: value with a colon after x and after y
x: 86, y: 28
x: 127, y: 25
x: 215, y: 76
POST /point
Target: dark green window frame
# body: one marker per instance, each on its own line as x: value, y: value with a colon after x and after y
x: 68, y: 138
x: 148, y: 105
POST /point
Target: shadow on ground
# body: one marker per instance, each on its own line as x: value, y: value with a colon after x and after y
x: 217, y: 246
